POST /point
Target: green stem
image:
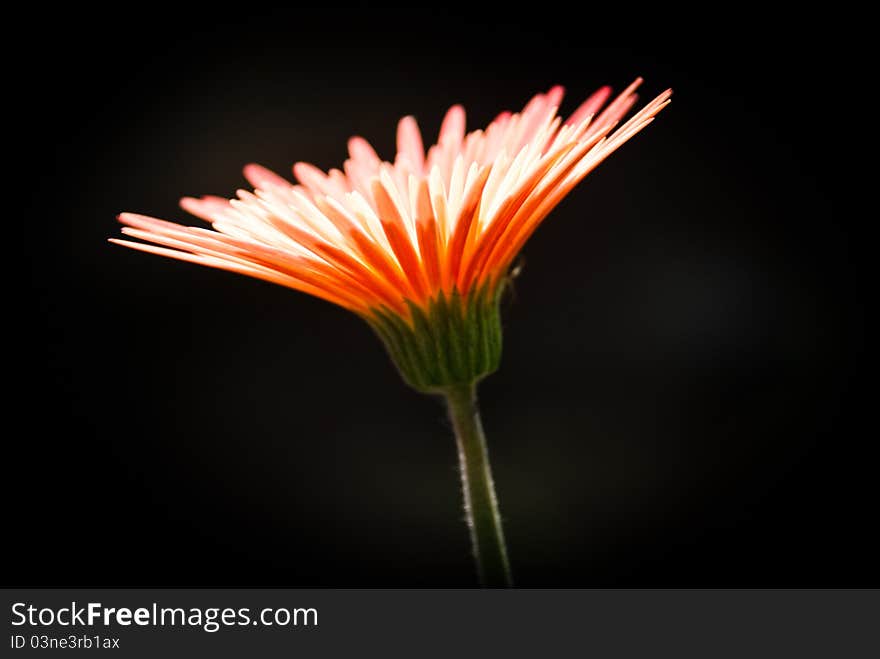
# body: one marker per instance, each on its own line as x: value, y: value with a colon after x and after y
x: 480, y: 504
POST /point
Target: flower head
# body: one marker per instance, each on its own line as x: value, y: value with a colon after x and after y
x: 419, y: 247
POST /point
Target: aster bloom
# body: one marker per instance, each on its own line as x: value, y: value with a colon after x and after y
x: 419, y: 248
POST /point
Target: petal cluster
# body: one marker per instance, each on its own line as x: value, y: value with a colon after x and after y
x: 390, y: 235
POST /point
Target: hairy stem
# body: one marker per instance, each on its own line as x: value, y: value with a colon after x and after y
x: 480, y: 503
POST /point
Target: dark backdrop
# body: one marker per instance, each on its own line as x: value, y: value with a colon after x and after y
x: 677, y: 403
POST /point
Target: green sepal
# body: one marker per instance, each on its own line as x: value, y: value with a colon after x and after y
x: 454, y: 340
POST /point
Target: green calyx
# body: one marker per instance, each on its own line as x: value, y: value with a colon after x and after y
x: 455, y: 340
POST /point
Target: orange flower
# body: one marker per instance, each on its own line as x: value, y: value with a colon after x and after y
x: 419, y: 248
x: 392, y: 241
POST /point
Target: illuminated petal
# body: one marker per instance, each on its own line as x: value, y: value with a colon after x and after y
x: 417, y: 230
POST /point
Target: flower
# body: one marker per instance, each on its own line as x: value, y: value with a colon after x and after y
x: 420, y: 247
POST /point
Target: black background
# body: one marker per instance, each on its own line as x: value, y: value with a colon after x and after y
x: 678, y: 401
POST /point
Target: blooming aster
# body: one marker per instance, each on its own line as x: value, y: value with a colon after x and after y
x: 418, y: 247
